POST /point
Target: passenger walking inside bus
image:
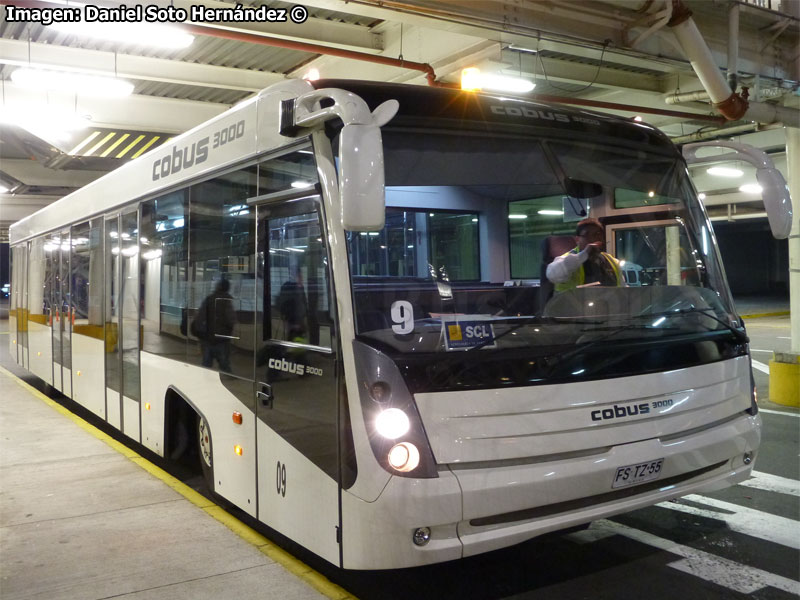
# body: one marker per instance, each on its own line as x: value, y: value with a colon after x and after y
x: 293, y: 306
x: 586, y: 264
x: 213, y: 326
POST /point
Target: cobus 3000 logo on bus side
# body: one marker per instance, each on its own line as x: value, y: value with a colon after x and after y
x: 196, y: 153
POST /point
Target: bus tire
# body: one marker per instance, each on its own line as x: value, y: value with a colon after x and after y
x: 205, y: 451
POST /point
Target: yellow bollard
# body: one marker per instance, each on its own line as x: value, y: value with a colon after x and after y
x: 784, y: 379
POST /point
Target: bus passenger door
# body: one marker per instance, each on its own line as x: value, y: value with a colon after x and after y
x: 296, y: 377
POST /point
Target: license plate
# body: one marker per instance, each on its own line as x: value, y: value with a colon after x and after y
x: 638, y: 473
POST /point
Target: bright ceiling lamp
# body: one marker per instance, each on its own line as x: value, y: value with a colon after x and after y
x: 751, y: 188
x: 152, y: 35
x: 473, y: 80
x: 725, y: 172
x: 50, y: 122
x: 550, y: 212
x: 71, y: 82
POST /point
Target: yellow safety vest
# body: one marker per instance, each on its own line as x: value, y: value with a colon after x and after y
x: 579, y: 276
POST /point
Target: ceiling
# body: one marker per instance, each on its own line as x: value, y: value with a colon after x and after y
x: 598, y: 50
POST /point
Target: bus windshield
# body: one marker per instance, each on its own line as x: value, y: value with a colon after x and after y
x: 472, y: 221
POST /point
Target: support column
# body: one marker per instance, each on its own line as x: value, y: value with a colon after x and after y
x: 784, y: 368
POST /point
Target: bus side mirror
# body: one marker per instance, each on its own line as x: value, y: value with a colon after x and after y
x: 361, y: 181
x: 774, y: 191
x: 777, y: 201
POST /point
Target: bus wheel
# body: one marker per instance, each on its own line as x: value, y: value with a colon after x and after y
x: 204, y: 450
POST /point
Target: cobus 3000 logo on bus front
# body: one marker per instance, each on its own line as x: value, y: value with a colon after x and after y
x: 183, y: 157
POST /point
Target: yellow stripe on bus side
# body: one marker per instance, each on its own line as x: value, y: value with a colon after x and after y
x: 298, y: 568
x: 146, y: 146
x: 131, y: 145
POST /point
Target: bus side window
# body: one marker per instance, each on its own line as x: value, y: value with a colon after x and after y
x: 298, y: 281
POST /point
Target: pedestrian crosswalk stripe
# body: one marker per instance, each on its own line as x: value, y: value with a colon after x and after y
x: 722, y: 571
x: 741, y: 519
x: 779, y: 412
x: 773, y: 483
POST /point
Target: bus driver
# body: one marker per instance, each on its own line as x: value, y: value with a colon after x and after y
x: 587, y: 263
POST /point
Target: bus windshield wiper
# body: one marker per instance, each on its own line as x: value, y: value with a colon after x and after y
x: 739, y: 334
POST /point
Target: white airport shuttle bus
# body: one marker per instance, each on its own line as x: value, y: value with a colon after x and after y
x: 334, y: 294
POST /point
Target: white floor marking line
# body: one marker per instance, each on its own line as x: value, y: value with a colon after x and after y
x: 760, y: 366
x: 722, y: 571
x: 773, y: 483
x: 779, y: 412
x: 756, y: 523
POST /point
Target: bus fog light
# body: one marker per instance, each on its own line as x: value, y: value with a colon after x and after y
x: 392, y: 423
x: 747, y: 458
x: 404, y: 457
x: 422, y: 535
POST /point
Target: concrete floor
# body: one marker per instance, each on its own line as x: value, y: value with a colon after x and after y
x: 79, y: 519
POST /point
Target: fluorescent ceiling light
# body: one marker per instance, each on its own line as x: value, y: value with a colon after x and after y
x: 301, y: 184
x: 724, y: 172
x: 50, y: 122
x: 142, y: 34
x: 550, y: 212
x: 74, y: 83
x: 751, y: 188
x: 517, y: 216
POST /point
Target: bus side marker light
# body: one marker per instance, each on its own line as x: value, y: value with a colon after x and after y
x: 38, y: 354
x: 404, y: 457
x: 147, y: 406
x: 78, y: 373
x: 238, y: 449
x: 237, y: 417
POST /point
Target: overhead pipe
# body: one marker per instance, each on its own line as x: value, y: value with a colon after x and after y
x: 682, y: 97
x: 628, y: 108
x: 710, y: 134
x: 733, y: 46
x: 241, y: 36
x: 731, y: 105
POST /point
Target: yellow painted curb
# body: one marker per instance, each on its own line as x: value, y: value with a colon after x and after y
x: 298, y: 568
x: 784, y: 381
x: 779, y: 313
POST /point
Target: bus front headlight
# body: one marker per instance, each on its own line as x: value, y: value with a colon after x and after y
x: 392, y: 423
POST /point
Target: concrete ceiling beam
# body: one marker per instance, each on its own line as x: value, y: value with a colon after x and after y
x: 32, y: 172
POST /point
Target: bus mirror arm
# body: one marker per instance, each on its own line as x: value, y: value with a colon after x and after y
x: 774, y: 190
x: 361, y: 176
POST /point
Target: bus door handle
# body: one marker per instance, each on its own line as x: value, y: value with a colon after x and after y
x: 264, y: 394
